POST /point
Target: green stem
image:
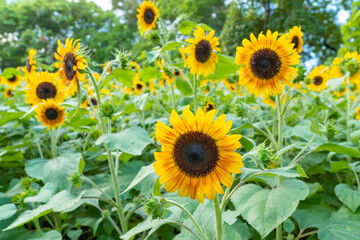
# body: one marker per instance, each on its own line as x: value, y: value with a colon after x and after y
x: 279, y: 227
x: 104, y: 73
x: 38, y: 145
x: 272, y: 139
x: 97, y: 187
x: 218, y: 216
x: 357, y: 179
x: 195, y: 91
x: 53, y: 143
x: 299, y: 154
x: 189, y: 215
x: 173, y: 96
x: 348, y: 109
x: 280, y: 141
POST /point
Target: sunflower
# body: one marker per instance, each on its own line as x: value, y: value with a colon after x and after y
x: 30, y: 67
x: 9, y: 92
x: 318, y: 78
x: 295, y: 36
x: 42, y: 86
x: 13, y: 81
x: 71, y: 61
x: 266, y: 63
x: 151, y: 85
x: 86, y: 104
x: 197, y: 154
x: 230, y: 86
x: 50, y: 114
x: 358, y: 113
x: 138, y: 86
x: 270, y: 100
x: 201, y: 59
x: 166, y: 73
x: 208, y: 106
x: 147, y: 16
x: 350, y: 63
x: 134, y: 66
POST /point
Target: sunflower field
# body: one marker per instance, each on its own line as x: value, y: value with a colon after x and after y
x: 244, y: 127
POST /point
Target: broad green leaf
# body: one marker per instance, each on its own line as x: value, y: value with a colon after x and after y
x: 339, y: 149
x: 265, y: 209
x: 143, y: 173
x: 229, y: 232
x: 183, y: 86
x: 125, y: 76
x: 46, y: 192
x: 186, y: 27
x: 339, y: 166
x: 53, y: 235
x: 290, y: 172
x: 55, y: 170
x: 171, y: 45
x: 343, y: 225
x: 247, y: 143
x: 10, y: 116
x: 312, y: 217
x: 149, y: 73
x: 7, y: 211
x: 348, y: 196
x: 132, y: 140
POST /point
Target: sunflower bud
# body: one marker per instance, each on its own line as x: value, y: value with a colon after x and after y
x: 26, y: 183
x: 106, y: 110
x: 122, y: 58
x: 351, y: 67
x: 106, y: 213
x: 153, y: 36
x: 331, y: 130
x: 155, y: 207
x: 75, y: 179
x: 307, y: 80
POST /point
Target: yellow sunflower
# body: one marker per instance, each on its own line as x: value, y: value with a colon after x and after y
x: 147, y: 16
x: 134, y: 66
x: 42, y: 86
x: 208, y: 106
x: 270, y: 100
x: 295, y: 36
x: 71, y: 61
x: 166, y: 73
x: 151, y: 85
x: 351, y: 62
x: 9, y: 92
x: 358, y: 113
x: 267, y: 62
x: 30, y: 67
x: 197, y: 154
x: 86, y: 104
x: 139, y: 86
x: 12, y: 82
x: 50, y: 114
x: 202, y: 58
x: 230, y: 86
x: 319, y: 76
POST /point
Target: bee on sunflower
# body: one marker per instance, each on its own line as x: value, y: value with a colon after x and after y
x: 266, y: 63
x: 148, y: 14
x: 295, y: 36
x: 13, y: 81
x: 42, y: 86
x: 30, y: 67
x: 202, y: 58
x: 319, y: 76
x: 9, y: 92
x: 197, y: 154
x: 50, y: 114
x: 71, y: 62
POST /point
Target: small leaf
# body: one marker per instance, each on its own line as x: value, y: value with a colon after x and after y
x: 46, y: 192
x: 339, y: 149
x: 143, y: 173
x: 315, y: 126
x: 149, y: 73
x: 156, y: 189
x: 339, y: 166
x: 348, y: 196
x: 183, y: 86
x: 171, y: 45
x: 125, y: 76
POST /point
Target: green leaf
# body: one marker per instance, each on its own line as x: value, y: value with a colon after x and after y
x: 53, y: 235
x: 224, y: 67
x: 339, y: 149
x: 10, y: 116
x: 171, y: 45
x: 125, y: 76
x: 339, y: 166
x: 156, y: 188
x: 343, y: 225
x: 301, y: 171
x: 132, y: 140
x: 315, y: 127
x: 289, y: 226
x: 335, y: 83
x: 289, y: 172
x: 46, y: 192
x: 10, y: 72
x: 265, y: 209
x: 55, y: 170
x: 348, y: 196
x: 186, y: 27
x: 312, y: 217
x: 183, y: 86
x: 143, y: 173
x: 7, y: 211
x: 149, y: 73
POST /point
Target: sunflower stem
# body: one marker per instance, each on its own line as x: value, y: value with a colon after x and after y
x: 272, y: 139
x: 348, y: 110
x: 218, y: 216
x: 173, y: 96
x: 195, y: 90
x: 53, y: 143
x: 280, y: 141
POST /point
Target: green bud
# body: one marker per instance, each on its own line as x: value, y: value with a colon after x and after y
x: 75, y: 179
x: 106, y: 110
x: 307, y: 80
x: 26, y: 183
x: 153, y: 36
x: 331, y: 130
x: 352, y: 67
x: 106, y: 213
x: 155, y: 208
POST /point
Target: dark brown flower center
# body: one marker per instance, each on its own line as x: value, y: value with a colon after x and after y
x: 149, y: 16
x: 265, y: 63
x: 12, y: 79
x: 209, y: 107
x: 28, y: 66
x: 177, y: 72
x: 295, y: 40
x: 51, y: 114
x: 203, y: 51
x: 69, y: 63
x: 139, y: 86
x: 318, y: 80
x: 9, y: 92
x: 195, y: 153
x: 46, y: 90
x: 93, y: 101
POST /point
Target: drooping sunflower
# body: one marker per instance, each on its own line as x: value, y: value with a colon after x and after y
x: 148, y: 13
x: 295, y: 36
x: 13, y: 81
x: 42, y: 86
x: 30, y: 67
x: 208, y: 106
x: 201, y: 59
x: 319, y: 77
x: 50, y: 114
x: 197, y: 154
x: 9, y: 92
x: 71, y: 61
x: 267, y: 63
